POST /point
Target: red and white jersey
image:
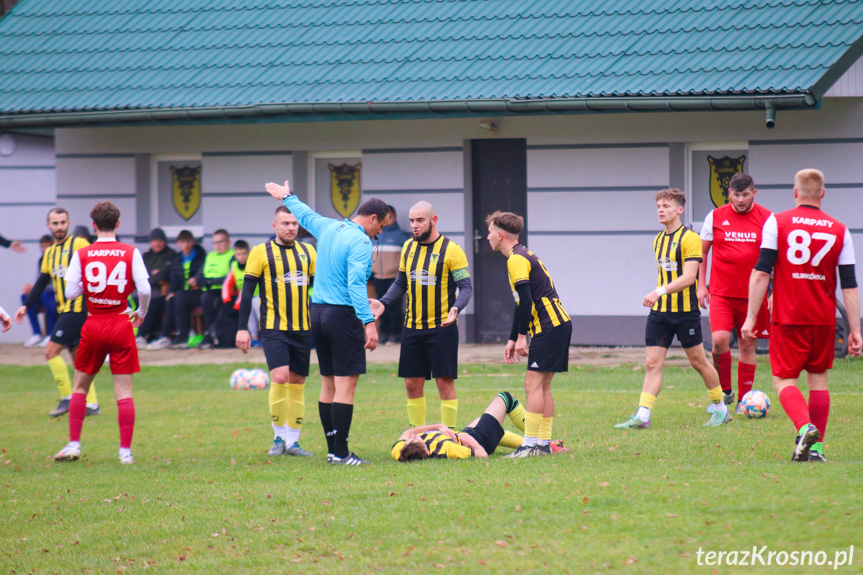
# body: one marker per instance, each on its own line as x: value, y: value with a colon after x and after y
x: 106, y: 272
x: 809, y: 245
x: 736, y: 244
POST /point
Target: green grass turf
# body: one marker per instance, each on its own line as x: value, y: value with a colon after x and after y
x: 203, y: 495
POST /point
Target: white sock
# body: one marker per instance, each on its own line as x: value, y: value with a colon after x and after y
x: 125, y: 451
x: 74, y: 444
x: 643, y: 414
x: 293, y: 435
x: 529, y: 441
x: 93, y: 405
x: 280, y: 431
x: 542, y: 442
x: 67, y: 397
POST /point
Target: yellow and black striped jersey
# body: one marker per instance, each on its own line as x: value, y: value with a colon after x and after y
x: 283, y: 275
x: 672, y: 250
x: 432, y: 271
x: 55, y: 262
x: 525, y: 267
x: 440, y: 446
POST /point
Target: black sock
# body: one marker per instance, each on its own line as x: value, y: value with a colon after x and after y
x: 342, y: 415
x: 508, y: 400
x: 325, y: 410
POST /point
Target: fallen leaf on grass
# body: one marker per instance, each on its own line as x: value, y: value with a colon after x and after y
x: 501, y: 543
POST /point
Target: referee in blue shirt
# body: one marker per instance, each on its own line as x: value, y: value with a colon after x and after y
x: 343, y: 326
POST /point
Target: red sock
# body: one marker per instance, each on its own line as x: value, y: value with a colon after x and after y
x: 126, y: 419
x: 819, y: 409
x: 745, y: 378
x: 77, y: 413
x: 722, y: 363
x: 795, y: 406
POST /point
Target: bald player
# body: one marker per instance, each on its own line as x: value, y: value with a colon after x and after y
x: 433, y: 271
x: 803, y: 248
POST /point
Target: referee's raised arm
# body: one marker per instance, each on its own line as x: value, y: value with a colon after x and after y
x: 342, y: 323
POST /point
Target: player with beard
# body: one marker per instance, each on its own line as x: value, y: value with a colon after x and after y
x: 433, y: 271
x: 73, y: 312
x: 282, y: 271
x: 734, y: 233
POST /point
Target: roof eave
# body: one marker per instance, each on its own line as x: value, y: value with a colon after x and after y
x: 341, y: 111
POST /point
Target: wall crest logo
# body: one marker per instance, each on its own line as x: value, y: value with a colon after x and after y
x: 721, y: 170
x: 186, y: 185
x: 345, y: 188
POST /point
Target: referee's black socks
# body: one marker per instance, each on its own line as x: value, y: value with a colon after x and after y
x: 325, y: 410
x: 342, y: 414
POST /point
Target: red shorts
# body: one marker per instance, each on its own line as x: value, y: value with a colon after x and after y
x: 794, y: 348
x: 103, y: 335
x: 729, y: 314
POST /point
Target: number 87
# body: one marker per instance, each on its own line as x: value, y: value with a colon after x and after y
x: 799, y: 242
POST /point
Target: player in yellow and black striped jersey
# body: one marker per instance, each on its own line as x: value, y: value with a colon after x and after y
x: 538, y: 311
x: 433, y: 271
x: 72, y: 314
x: 674, y: 312
x: 672, y: 251
x: 282, y: 270
x: 479, y: 439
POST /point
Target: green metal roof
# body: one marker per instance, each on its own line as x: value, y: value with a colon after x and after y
x: 163, y: 59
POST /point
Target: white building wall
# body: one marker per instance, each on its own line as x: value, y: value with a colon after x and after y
x: 27, y: 192
x: 591, y: 180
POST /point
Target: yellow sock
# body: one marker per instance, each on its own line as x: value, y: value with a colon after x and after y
x: 417, y: 411
x: 532, y: 422
x: 91, y: 394
x: 296, y: 410
x: 511, y: 440
x: 448, y: 412
x: 279, y: 404
x: 715, y: 394
x: 648, y: 400
x: 545, y: 428
x: 516, y: 416
x: 61, y: 376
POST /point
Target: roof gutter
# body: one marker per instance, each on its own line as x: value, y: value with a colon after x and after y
x: 338, y: 111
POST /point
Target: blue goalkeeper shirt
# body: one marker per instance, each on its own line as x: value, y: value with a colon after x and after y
x: 344, y: 262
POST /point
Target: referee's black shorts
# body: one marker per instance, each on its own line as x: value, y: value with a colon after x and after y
x: 549, y: 350
x: 662, y: 326
x: 67, y: 330
x: 287, y: 348
x: 340, y: 340
x: 429, y: 352
x: 488, y: 432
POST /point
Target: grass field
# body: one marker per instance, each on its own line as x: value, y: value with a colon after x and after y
x: 203, y: 495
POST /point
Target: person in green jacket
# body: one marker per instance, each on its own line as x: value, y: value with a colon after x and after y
x: 216, y: 268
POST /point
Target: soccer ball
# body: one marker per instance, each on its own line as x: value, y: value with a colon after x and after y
x: 755, y: 404
x: 258, y: 379
x: 240, y: 379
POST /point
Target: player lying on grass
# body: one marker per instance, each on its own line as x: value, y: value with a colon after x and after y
x: 479, y: 439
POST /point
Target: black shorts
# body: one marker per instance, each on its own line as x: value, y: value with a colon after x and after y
x: 488, y: 432
x: 549, y: 350
x: 291, y: 348
x: 429, y: 352
x: 340, y: 340
x: 663, y: 326
x: 67, y: 330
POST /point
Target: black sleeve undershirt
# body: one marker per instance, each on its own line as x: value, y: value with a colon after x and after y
x: 38, y: 288
x: 766, y: 260
x: 847, y: 276
x: 523, y: 313
x: 249, y: 285
x: 397, y: 289
x: 465, y: 291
